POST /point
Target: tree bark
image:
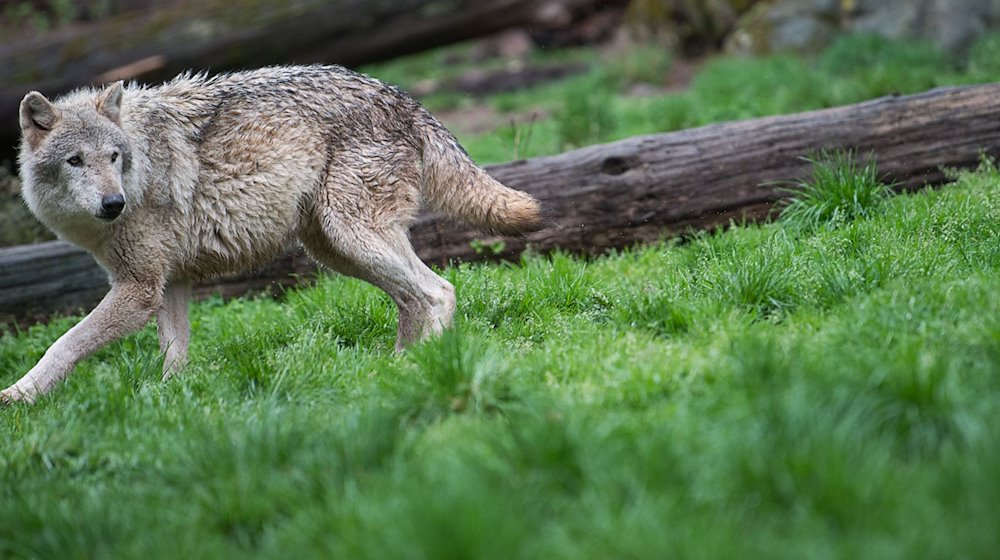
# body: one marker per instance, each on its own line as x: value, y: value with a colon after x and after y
x: 215, y: 35
x: 632, y: 191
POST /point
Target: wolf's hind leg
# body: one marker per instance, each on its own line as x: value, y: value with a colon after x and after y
x: 386, y: 259
x: 173, y: 327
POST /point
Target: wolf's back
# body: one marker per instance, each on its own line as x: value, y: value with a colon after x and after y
x: 456, y: 185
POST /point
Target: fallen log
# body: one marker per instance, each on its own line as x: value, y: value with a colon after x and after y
x: 626, y: 192
x: 152, y: 45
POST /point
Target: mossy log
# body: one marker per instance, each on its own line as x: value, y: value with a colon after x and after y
x: 627, y: 192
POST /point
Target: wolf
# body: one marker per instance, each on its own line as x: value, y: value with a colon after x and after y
x: 212, y: 175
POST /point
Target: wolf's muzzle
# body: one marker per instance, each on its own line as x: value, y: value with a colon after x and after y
x: 111, y: 206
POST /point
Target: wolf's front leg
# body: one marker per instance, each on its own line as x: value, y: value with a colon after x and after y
x: 174, y: 327
x: 126, y: 309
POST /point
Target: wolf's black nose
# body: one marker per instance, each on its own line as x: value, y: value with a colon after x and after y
x: 112, y: 205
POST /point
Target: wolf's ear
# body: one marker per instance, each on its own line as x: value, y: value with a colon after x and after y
x: 38, y: 115
x: 109, y: 102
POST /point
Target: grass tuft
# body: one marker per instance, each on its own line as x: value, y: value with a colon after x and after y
x: 984, y: 58
x: 457, y: 373
x: 841, y: 189
x: 659, y: 309
x: 586, y: 114
x: 876, y: 65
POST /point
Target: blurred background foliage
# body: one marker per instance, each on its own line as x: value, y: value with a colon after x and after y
x: 573, y: 72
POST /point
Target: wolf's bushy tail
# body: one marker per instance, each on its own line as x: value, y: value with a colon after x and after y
x: 461, y: 189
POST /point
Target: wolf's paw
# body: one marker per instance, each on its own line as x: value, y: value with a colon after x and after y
x: 12, y: 394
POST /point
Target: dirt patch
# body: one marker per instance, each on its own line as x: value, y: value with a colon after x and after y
x: 482, y: 119
x: 682, y: 73
x: 480, y: 82
x: 515, y: 76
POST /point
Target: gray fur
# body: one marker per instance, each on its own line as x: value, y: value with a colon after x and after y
x: 220, y: 174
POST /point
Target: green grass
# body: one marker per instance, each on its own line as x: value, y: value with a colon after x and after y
x: 768, y: 391
x: 871, y: 65
x: 841, y: 189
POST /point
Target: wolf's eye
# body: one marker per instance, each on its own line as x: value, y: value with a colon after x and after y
x: 114, y: 157
x: 75, y: 161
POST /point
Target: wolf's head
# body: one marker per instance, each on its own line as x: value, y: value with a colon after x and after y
x: 74, y: 156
